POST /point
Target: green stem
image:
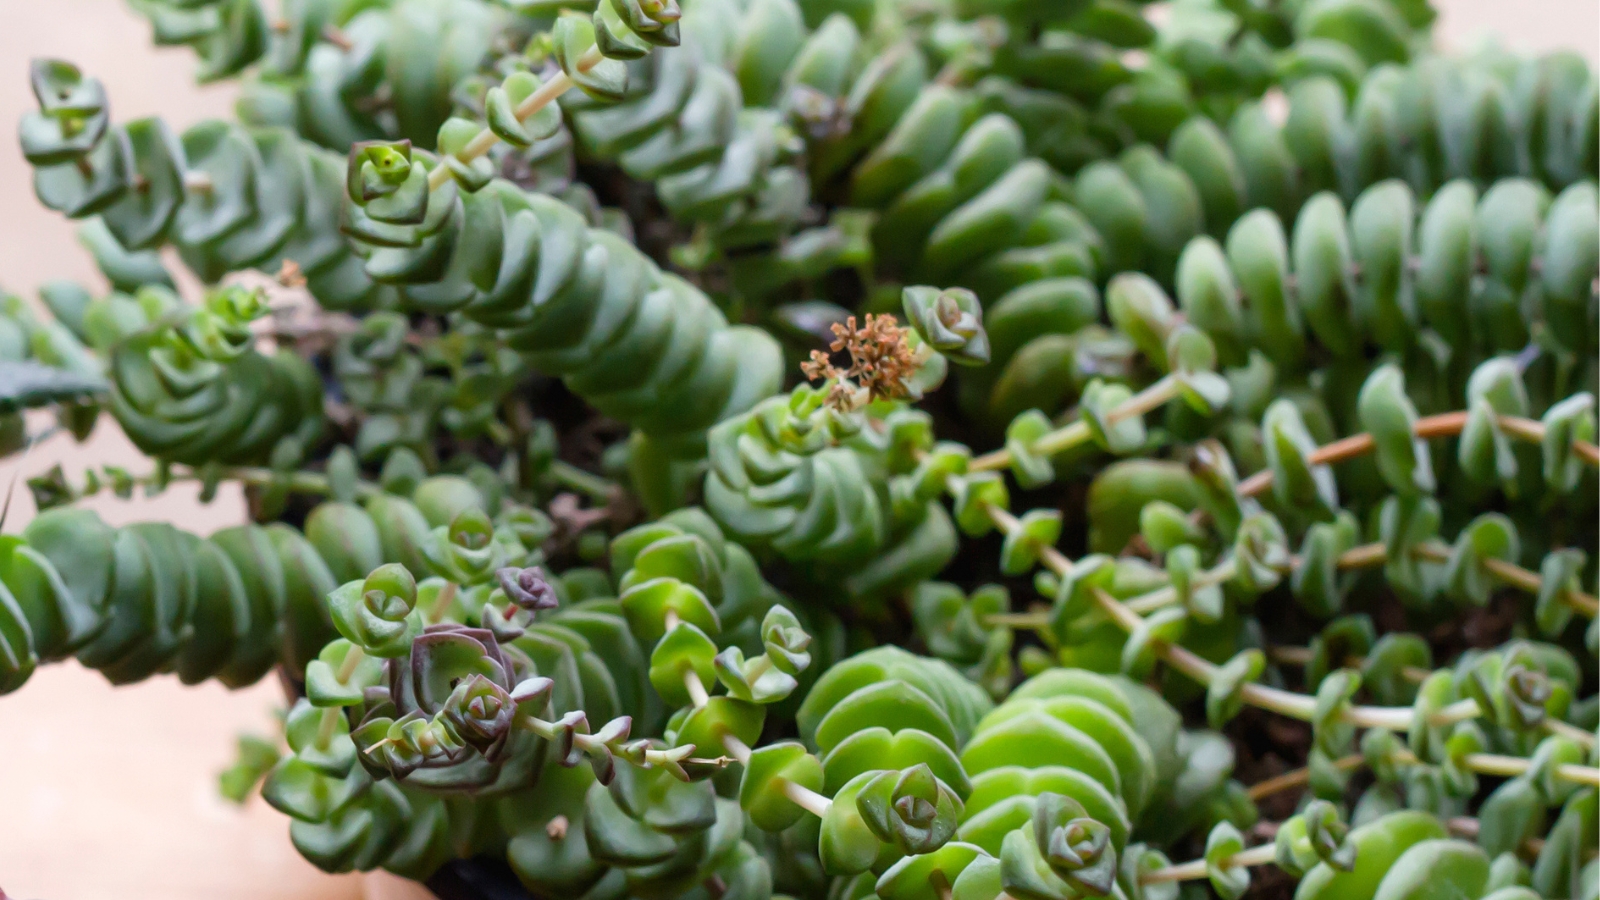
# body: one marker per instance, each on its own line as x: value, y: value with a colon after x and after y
x: 298, y: 482
x: 1426, y: 428
x: 697, y: 689
x: 805, y: 798
x: 1368, y: 556
x: 1300, y: 777
x: 539, y: 99
x: 537, y: 726
x: 351, y: 660
x: 326, y: 726
x: 568, y: 475
x: 758, y: 667
x: 1196, y: 869
x: 1288, y: 703
x: 1570, y: 732
x: 441, y: 603
x: 1078, y: 432
x: 329, y: 722
x: 1512, y: 766
x: 1300, y: 656
x: 1030, y: 620
x: 1166, y: 596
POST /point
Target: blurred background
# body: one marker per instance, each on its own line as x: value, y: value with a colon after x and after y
x: 111, y: 793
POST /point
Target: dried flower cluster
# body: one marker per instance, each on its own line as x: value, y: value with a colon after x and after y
x: 881, y: 361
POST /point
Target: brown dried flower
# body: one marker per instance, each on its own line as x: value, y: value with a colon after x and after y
x: 881, y: 360
x: 290, y: 275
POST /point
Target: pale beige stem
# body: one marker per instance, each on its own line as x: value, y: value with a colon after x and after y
x: 441, y: 603
x: 1196, y: 869
x: 351, y: 660
x: 535, y: 101
x: 806, y: 798
x: 696, y: 688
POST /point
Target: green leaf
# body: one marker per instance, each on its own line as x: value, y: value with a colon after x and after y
x: 26, y: 384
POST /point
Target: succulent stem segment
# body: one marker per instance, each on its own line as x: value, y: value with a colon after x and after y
x: 1511, y: 766
x: 328, y: 719
x: 1369, y: 556
x: 351, y: 660
x: 1299, y: 777
x: 327, y: 724
x: 559, y: 84
x: 441, y: 604
x: 736, y: 749
x: 1482, y: 763
x: 1127, y: 614
x: 297, y: 482
x: 807, y: 799
x: 1072, y: 435
x: 1288, y: 703
x: 568, y: 475
x: 1196, y: 869
x: 1442, y: 425
x: 1166, y: 389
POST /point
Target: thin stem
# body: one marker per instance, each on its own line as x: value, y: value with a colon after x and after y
x: 1365, y: 556
x: 1287, y: 703
x: 329, y: 721
x: 326, y: 726
x: 1300, y: 656
x: 1368, y: 556
x: 296, y: 482
x: 807, y: 799
x: 1299, y: 778
x: 1532, y: 582
x: 1147, y: 400
x: 1062, y: 439
x: 1289, y: 656
x: 1442, y: 425
x: 1467, y: 827
x: 697, y: 689
x: 351, y: 660
x: 1511, y: 766
x: 441, y: 603
x: 679, y: 754
x: 1033, y: 620
x: 1196, y: 869
x: 535, y: 101
x: 1075, y: 433
x: 736, y: 749
x: 568, y: 475
x: 691, y: 678
x: 538, y: 726
x: 802, y: 796
x: 1166, y: 596
x: 1570, y: 732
